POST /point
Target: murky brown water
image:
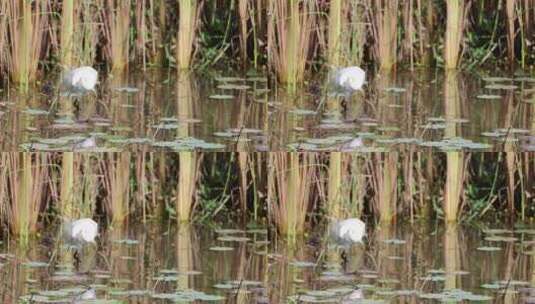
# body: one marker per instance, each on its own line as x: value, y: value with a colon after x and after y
x: 161, y: 264
x: 159, y: 111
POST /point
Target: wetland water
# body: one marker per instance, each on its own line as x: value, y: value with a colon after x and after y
x: 142, y: 119
x: 157, y: 263
x: 159, y: 111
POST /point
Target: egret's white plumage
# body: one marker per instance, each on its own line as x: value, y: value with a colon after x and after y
x: 348, y: 231
x: 349, y: 80
x: 352, y: 145
x: 82, y: 231
x: 81, y: 80
x: 89, y: 294
x: 356, y: 296
x: 88, y: 143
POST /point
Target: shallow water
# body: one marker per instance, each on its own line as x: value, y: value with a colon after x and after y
x: 156, y: 263
x: 159, y: 110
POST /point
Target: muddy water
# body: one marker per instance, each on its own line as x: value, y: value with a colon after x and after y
x: 159, y: 110
x: 156, y: 263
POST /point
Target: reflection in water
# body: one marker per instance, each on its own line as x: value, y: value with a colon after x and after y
x: 441, y: 111
x: 136, y: 265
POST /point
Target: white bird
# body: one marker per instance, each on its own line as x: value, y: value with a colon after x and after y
x: 356, y: 296
x: 348, y: 231
x: 352, y: 145
x: 85, y: 144
x: 87, y: 295
x: 81, y: 231
x: 349, y: 80
x: 81, y: 80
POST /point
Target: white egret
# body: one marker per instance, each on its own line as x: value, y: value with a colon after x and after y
x: 81, y: 231
x: 86, y: 144
x: 352, y: 145
x: 87, y: 295
x: 348, y: 80
x: 80, y: 80
x: 348, y: 231
x: 356, y: 296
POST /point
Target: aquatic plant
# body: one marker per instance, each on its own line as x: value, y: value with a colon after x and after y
x: 26, y: 30
x: 290, y: 180
x: 24, y: 175
x: 290, y: 30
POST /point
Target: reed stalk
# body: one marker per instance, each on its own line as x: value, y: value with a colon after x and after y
x: 3, y: 36
x: 334, y: 189
x: 87, y: 32
x: 187, y: 181
x: 454, y: 33
x: 384, y: 18
x: 510, y: 6
x: 335, y: 33
x: 454, y: 160
x: 243, y: 162
x: 189, y: 12
x: 67, y: 32
x: 453, y: 187
x: 116, y: 25
x: 290, y: 31
x: 67, y: 185
x: 243, y: 10
x: 452, y: 255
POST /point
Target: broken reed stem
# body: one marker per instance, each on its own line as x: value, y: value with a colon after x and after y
x: 454, y: 33
x: 187, y: 29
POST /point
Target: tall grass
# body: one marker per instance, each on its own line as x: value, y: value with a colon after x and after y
x: 291, y: 177
x: 26, y: 30
x: 115, y: 18
x: 385, y: 16
x: 26, y: 180
x: 115, y: 171
x: 290, y: 31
